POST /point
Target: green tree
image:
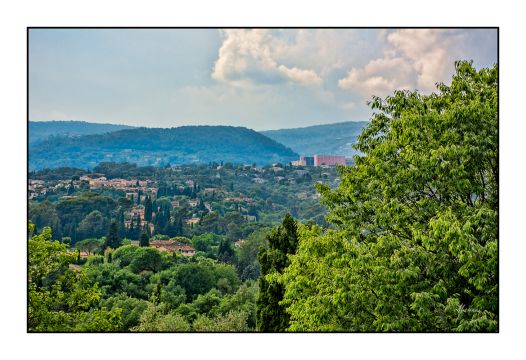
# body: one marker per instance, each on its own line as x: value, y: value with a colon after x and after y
x: 132, y: 309
x: 248, y: 265
x: 61, y: 299
x: 89, y: 245
x: 144, y: 241
x: 156, y: 318
x: 112, y: 239
x: 147, y: 259
x: 93, y: 225
x: 243, y: 300
x: 226, y: 252
x: 234, y: 321
x: 148, y: 208
x: 282, y: 241
x: 43, y: 215
x: 415, y: 241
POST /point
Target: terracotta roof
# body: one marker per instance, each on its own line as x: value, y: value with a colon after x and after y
x: 184, y: 248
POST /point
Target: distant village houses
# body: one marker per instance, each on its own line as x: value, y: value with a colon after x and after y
x: 173, y: 246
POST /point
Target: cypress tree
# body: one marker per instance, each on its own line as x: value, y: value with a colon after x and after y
x: 148, y: 209
x: 112, y: 239
x: 283, y: 240
x: 144, y: 240
x: 226, y: 252
x: 71, y: 188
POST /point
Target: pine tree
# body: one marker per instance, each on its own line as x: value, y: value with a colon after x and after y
x: 283, y: 240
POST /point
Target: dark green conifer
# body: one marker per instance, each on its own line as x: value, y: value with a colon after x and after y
x: 112, y: 239
x: 283, y: 240
x: 144, y: 240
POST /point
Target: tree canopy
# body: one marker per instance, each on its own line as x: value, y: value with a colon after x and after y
x: 62, y: 299
x: 415, y: 241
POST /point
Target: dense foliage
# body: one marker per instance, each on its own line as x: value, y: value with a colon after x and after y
x: 73, y: 209
x: 415, y: 247
x: 148, y: 146
x: 410, y: 241
x: 59, y: 298
x: 133, y: 288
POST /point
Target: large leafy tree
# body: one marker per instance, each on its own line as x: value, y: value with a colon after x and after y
x: 415, y: 244
x: 93, y: 225
x: 62, y: 299
x: 282, y: 241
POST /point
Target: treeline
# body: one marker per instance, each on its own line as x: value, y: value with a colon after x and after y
x: 124, y: 170
x: 148, y: 146
x: 60, y: 173
x: 111, y: 170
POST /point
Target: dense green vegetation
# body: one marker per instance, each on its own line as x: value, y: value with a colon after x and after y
x: 147, y: 146
x: 336, y: 138
x: 134, y: 288
x: 409, y: 242
x: 415, y: 247
x: 62, y: 299
x: 44, y: 130
x: 230, y: 202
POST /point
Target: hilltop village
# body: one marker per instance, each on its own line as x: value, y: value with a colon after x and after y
x: 174, y: 201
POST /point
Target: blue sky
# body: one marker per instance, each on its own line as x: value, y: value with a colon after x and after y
x: 258, y: 78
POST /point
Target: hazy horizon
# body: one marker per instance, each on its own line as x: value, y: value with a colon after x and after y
x: 262, y: 79
x: 161, y: 127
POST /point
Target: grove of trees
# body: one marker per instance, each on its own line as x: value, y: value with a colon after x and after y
x: 415, y: 243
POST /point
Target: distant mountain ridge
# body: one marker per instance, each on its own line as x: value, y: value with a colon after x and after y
x: 156, y: 146
x: 43, y: 130
x: 336, y: 139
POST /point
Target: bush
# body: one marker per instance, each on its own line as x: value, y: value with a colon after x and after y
x: 92, y: 260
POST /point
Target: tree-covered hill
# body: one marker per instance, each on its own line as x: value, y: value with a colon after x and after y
x: 154, y: 146
x: 43, y: 130
x: 320, y: 139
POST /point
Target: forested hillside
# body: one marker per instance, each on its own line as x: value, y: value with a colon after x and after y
x: 43, y: 130
x: 336, y: 138
x: 145, y: 146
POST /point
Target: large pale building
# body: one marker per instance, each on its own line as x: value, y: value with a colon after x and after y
x: 329, y: 160
x: 308, y: 160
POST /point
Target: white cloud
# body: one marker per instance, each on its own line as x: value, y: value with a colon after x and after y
x: 431, y: 52
x: 379, y: 77
x: 413, y: 59
x: 263, y: 56
x: 304, y: 77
